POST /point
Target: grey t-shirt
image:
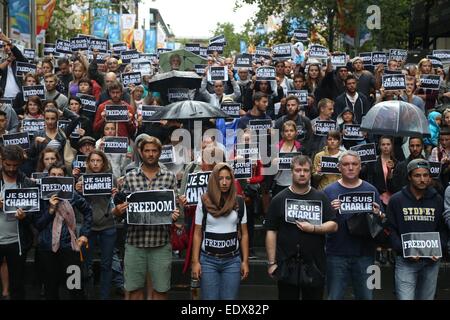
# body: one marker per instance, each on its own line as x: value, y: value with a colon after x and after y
x: 8, y: 223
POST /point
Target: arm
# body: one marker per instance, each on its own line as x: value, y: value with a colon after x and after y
x: 195, y: 265
x: 393, y: 228
x: 236, y: 90
x: 244, y: 251
x: 99, y: 120
x: 94, y: 74
x: 14, y: 122
x: 271, y: 249
x: 74, y: 120
x: 324, y: 228
x: 203, y: 90
x: 83, y: 206
x: 43, y: 218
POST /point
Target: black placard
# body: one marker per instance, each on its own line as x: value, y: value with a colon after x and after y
x: 379, y: 57
x: 387, y: 71
x: 21, y: 139
x: 167, y: 154
x: 30, y: 54
x: 301, y: 34
x: 285, y: 160
x: 79, y: 43
x: 26, y: 199
x: 339, y: 59
x: 178, y: 94
x: 88, y: 102
x: 162, y: 50
x: 80, y: 163
x: 356, y: 202
x: 430, y: 81
x: 443, y: 55
x: 231, y: 109
x: 116, y: 145
x: 303, y: 211
x: 6, y: 103
x: 367, y: 152
x: 192, y: 47
x: 37, y: 176
x: 33, y: 125
x: 260, y: 124
x: 242, y: 168
x: 317, y: 51
x: 101, y: 57
x: 119, y: 47
x: 302, y: 96
x: 150, y: 57
x: 366, y: 58
x: 265, y: 74
x: 62, y: 124
x: 243, y: 60
x: 218, y: 74
x: 148, y: 112
x: 49, y: 48
x: 131, y: 78
x: 203, y: 52
x: 352, y: 132
x: 127, y: 56
x: 394, y: 81
x: 100, y: 44
x: 38, y: 90
x: 421, y: 244
x: 24, y: 68
x: 62, y: 186
x: 153, y: 207
x: 116, y: 113
x: 200, y: 69
x: 250, y: 151
x: 435, y: 62
x: 398, y: 54
x: 322, y: 127
x: 215, y: 47
x: 218, y: 39
x: 63, y: 46
x: 328, y: 165
x: 282, y: 51
x: 263, y: 52
x: 197, y: 185
x: 435, y: 169
x: 143, y: 67
x: 97, y: 184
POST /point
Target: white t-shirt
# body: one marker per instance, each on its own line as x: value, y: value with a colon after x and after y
x: 220, y: 233
x: 11, y: 88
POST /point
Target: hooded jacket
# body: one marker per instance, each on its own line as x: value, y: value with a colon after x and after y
x: 434, y: 129
x: 406, y: 214
x: 360, y: 108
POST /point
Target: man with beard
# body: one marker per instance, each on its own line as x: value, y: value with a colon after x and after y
x: 304, y: 127
x: 16, y: 236
x: 8, y: 78
x: 293, y: 231
x: 352, y: 99
x: 416, y: 208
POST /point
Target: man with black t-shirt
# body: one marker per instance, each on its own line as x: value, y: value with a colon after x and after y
x: 298, y: 219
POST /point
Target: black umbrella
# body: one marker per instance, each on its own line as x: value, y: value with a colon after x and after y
x: 174, y: 79
x: 396, y: 118
x: 188, y: 110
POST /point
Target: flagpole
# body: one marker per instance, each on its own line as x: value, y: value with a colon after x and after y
x: 33, y: 24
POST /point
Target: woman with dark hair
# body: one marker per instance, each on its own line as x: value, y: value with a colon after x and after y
x: 29, y: 79
x: 58, y: 243
x: 313, y: 77
x: 33, y: 108
x: 103, y: 230
x: 428, y: 95
x: 85, y: 125
x: 220, y: 217
x: 332, y: 149
x: 54, y: 137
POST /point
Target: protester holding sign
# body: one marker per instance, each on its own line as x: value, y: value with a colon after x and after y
x: 16, y: 237
x: 12, y: 122
x: 58, y: 243
x: 124, y: 129
x: 348, y: 255
x: 299, y: 217
x: 332, y: 149
x: 79, y: 70
x: 428, y: 95
x: 103, y: 230
x: 47, y: 157
x: 409, y: 96
x: 33, y: 108
x: 274, y: 96
x: 147, y: 247
x: 117, y: 161
x: 365, y: 79
x: 18, y: 102
x: 322, y: 125
x: 416, y: 208
x: 85, y: 124
x: 216, y: 98
x: 220, y: 238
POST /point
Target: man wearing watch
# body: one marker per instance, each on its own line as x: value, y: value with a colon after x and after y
x: 298, y: 219
x: 8, y: 78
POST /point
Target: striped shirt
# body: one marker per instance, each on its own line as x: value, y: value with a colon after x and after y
x: 143, y: 236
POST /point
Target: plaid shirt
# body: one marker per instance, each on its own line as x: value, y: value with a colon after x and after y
x: 148, y: 236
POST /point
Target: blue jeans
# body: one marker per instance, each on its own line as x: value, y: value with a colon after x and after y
x: 220, y: 277
x: 106, y: 240
x: 415, y: 280
x: 341, y: 270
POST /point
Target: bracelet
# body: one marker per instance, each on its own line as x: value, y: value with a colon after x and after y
x: 269, y: 264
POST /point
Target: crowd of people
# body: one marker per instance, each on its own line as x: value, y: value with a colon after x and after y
x: 304, y: 255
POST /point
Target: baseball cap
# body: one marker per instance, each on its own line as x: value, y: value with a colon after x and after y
x: 418, y: 163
